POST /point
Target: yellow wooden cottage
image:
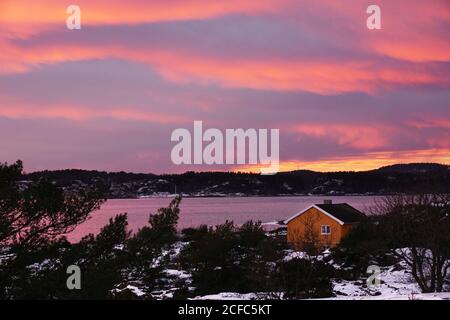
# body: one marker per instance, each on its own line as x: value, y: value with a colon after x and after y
x: 323, y: 225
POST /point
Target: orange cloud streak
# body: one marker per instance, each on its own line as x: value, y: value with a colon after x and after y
x: 118, y: 11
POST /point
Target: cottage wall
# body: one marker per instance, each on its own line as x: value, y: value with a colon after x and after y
x: 307, y: 227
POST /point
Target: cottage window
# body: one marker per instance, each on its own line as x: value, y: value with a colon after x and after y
x: 325, y: 229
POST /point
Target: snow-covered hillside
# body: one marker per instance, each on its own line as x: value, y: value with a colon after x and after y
x: 396, y: 283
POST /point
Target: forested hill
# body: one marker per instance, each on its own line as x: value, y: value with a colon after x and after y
x: 391, y: 179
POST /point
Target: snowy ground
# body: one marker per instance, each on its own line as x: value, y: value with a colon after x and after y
x: 393, y: 282
x: 396, y: 283
x: 255, y: 296
x: 228, y: 296
x: 419, y: 296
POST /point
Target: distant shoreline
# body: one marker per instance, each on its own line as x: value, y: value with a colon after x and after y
x: 396, y: 179
x: 255, y: 196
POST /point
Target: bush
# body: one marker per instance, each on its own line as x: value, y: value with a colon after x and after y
x: 302, y: 279
x: 99, y: 262
x: 360, y: 248
x: 228, y: 258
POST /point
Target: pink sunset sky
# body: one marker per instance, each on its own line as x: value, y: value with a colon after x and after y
x: 108, y: 96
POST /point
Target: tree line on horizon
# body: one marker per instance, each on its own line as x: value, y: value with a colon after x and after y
x: 408, y: 178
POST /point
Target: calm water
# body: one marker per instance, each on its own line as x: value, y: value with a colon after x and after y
x: 211, y: 211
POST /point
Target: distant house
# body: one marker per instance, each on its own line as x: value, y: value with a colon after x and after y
x: 322, y: 225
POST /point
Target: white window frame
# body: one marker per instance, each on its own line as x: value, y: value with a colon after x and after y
x: 324, y: 229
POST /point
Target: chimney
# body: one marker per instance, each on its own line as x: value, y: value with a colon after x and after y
x: 327, y: 201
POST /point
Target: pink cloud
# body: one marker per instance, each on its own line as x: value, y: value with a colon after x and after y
x: 318, y: 76
x: 362, y: 137
x: 80, y: 113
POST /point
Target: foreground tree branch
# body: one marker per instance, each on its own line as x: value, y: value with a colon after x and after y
x: 42, y: 211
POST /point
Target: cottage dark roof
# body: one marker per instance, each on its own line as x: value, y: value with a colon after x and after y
x: 342, y: 211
